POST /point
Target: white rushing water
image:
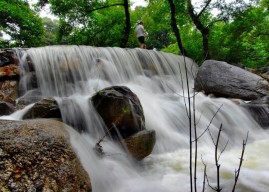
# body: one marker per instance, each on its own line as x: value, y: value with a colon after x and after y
x: 158, y: 79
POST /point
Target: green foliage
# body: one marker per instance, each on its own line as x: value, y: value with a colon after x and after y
x: 21, y: 23
x: 51, y: 31
x: 244, y: 40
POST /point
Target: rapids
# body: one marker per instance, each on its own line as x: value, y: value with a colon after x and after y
x: 159, y: 81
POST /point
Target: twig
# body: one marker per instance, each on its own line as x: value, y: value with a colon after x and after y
x: 210, y: 123
x: 196, y: 146
x: 237, y: 172
x: 204, y: 176
x: 218, y: 189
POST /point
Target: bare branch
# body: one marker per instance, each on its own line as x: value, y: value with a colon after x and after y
x: 204, y: 174
x: 196, y: 145
x: 218, y: 189
x: 205, y: 7
x: 223, y: 149
x: 106, y: 6
x: 199, y: 118
x: 237, y: 172
x: 210, y: 122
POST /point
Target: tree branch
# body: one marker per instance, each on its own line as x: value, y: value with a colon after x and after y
x: 106, y: 6
x: 202, y: 11
x: 237, y: 172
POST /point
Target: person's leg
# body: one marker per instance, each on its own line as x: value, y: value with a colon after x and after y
x: 143, y: 46
x: 142, y: 41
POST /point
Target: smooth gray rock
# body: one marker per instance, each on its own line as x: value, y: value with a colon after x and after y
x: 225, y: 80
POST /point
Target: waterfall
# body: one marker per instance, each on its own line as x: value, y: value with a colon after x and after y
x: 159, y: 81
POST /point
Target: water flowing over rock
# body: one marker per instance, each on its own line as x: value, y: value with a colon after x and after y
x: 225, y: 80
x: 121, y: 111
x: 36, y: 155
x: 32, y: 96
x: 76, y: 73
x: 259, y: 109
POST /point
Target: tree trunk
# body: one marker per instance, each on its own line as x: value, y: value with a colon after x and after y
x: 174, y: 27
x: 127, y: 27
x: 203, y: 30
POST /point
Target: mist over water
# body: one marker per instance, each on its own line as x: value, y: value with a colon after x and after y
x: 159, y: 81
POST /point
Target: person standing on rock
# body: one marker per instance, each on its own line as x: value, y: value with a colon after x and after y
x: 140, y: 34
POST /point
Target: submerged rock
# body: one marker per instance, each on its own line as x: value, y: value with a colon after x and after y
x: 140, y: 144
x: 121, y: 111
x: 46, y: 108
x: 36, y: 155
x: 225, y: 80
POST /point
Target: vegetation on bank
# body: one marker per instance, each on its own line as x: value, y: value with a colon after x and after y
x: 238, y: 32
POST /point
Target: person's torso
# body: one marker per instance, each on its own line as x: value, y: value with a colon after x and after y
x: 139, y: 30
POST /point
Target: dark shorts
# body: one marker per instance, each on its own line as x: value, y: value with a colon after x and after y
x: 141, y: 39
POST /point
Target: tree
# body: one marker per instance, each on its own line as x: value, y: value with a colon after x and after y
x: 51, y: 29
x: 244, y: 39
x: 204, y: 30
x: 21, y: 23
x: 84, y: 18
x: 175, y: 28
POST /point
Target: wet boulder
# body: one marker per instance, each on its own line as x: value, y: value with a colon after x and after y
x: 140, y: 144
x: 36, y: 155
x: 120, y: 110
x: 225, y: 80
x: 259, y: 110
x: 46, y: 108
x: 6, y: 108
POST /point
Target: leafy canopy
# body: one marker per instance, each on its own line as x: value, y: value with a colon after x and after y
x: 21, y: 23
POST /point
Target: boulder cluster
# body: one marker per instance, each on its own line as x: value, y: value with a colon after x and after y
x: 36, y: 154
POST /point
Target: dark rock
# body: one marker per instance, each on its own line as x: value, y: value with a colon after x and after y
x: 140, y: 144
x: 259, y: 110
x: 46, y: 108
x: 6, y: 108
x: 120, y: 107
x: 36, y: 155
x: 222, y: 79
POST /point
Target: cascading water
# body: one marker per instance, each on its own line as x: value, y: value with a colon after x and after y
x: 158, y: 79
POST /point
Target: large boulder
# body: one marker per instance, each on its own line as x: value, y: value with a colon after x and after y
x: 225, y: 80
x: 46, y: 108
x: 36, y: 155
x: 140, y: 144
x: 119, y: 107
